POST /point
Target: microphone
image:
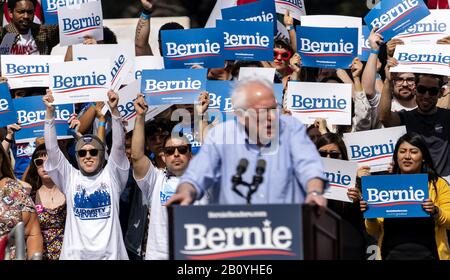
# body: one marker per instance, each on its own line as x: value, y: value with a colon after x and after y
x: 257, y: 178
x: 237, y: 179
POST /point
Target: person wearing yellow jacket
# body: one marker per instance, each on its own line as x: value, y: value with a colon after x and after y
x: 415, y: 238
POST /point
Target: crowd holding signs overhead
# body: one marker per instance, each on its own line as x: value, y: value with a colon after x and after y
x: 343, y: 112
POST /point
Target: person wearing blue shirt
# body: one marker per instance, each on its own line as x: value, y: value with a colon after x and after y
x: 294, y: 171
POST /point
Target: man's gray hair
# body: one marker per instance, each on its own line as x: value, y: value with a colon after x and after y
x: 240, y: 90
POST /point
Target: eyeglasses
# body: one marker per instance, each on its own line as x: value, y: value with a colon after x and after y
x: 38, y: 162
x: 332, y: 154
x: 409, y: 81
x: 83, y: 153
x: 285, y: 55
x: 171, y: 150
x: 432, y: 91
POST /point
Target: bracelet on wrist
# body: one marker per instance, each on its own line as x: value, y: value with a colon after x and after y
x: 289, y: 27
x: 9, y: 140
x: 315, y: 193
x: 145, y: 14
x: 102, y: 124
x: 374, y: 51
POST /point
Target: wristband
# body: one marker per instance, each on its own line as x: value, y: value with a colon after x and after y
x: 315, y: 193
x: 9, y: 140
x: 145, y: 15
x: 374, y: 51
x: 101, y: 124
x: 289, y: 27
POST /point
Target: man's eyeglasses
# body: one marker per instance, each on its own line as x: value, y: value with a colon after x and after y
x: 39, y: 162
x: 409, y: 81
x: 171, y: 150
x: 83, y: 153
x: 332, y: 154
x: 432, y: 91
x: 285, y: 55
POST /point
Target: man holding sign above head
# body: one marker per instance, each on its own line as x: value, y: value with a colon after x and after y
x: 22, y: 36
x: 427, y: 119
x: 93, y: 192
x: 412, y: 237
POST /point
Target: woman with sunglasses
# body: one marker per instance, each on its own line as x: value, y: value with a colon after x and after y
x: 415, y: 238
x: 17, y: 206
x: 50, y: 204
x: 330, y: 145
x: 92, y: 192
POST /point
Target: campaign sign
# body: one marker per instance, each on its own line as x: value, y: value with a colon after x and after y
x: 175, y: 86
x: 334, y: 21
x: 78, y: 21
x: 128, y: 95
x: 365, y: 43
x: 31, y: 116
x: 183, y: 48
x: 263, y: 10
x: 7, y: 112
x: 309, y: 101
x: 191, y: 135
x: 395, y: 196
x: 147, y: 62
x: 50, y: 8
x: 24, y: 71
x: 245, y: 40
x: 373, y: 148
x: 429, y: 30
x: 278, y: 92
x: 121, y: 58
x: 80, y: 81
x: 433, y: 59
x: 243, y: 232
x: 296, y: 8
x: 341, y: 175
x: 327, y: 47
x: 392, y: 17
x: 220, y: 107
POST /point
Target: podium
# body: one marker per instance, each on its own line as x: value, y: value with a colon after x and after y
x: 257, y: 232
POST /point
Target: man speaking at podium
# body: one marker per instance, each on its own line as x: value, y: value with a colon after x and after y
x: 288, y: 166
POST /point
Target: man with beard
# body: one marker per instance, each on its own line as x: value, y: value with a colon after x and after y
x: 427, y: 119
x: 22, y: 35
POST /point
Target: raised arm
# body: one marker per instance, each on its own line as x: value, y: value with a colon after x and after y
x: 117, y: 154
x: 141, y: 163
x: 387, y: 117
x: 370, y: 71
x: 289, y: 23
x: 10, y: 129
x: 51, y: 140
x: 142, y: 34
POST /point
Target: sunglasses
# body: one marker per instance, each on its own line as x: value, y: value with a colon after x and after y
x: 171, y: 150
x: 285, y: 55
x: 332, y: 154
x: 409, y: 81
x: 38, y: 162
x: 83, y: 153
x: 432, y: 91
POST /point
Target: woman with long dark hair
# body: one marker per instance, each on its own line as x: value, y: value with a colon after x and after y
x: 16, y: 206
x: 50, y: 204
x: 415, y: 238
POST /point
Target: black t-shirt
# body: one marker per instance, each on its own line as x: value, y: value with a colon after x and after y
x: 435, y: 129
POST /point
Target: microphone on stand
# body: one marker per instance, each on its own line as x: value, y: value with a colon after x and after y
x: 237, y: 179
x: 257, y: 178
